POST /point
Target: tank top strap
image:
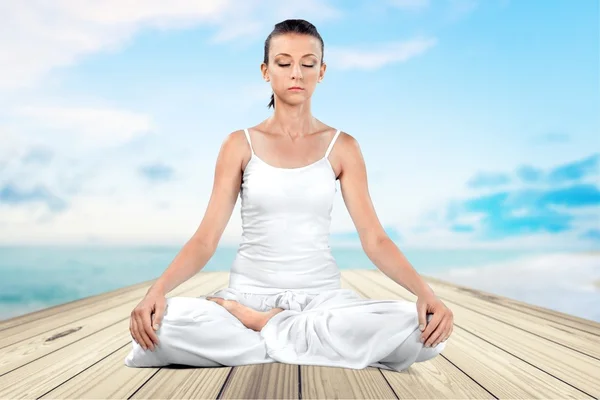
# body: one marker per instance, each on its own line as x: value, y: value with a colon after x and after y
x: 331, y: 144
x: 248, y: 138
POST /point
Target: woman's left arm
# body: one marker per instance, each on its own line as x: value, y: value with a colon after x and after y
x: 381, y: 250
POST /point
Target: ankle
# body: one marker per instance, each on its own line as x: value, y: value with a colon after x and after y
x: 272, y: 312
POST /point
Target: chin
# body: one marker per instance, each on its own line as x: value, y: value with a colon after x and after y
x: 298, y: 98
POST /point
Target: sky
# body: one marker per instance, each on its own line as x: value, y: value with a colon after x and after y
x: 478, y: 120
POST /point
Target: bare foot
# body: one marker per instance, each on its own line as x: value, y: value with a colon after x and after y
x: 251, y: 318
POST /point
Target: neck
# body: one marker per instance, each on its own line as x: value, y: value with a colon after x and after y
x: 292, y: 120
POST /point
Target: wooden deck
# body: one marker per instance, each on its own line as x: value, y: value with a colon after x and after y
x: 500, y: 348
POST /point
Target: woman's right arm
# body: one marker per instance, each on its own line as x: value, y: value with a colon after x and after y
x: 201, y: 246
x: 146, y: 317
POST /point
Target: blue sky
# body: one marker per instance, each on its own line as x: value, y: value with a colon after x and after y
x: 478, y: 120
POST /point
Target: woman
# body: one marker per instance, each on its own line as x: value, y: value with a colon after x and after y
x: 284, y: 302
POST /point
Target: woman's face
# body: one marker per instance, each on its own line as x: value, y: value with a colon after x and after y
x: 294, y: 61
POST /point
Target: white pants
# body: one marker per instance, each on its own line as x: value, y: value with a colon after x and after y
x: 334, y: 328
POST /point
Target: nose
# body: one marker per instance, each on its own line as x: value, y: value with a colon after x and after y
x: 296, y: 72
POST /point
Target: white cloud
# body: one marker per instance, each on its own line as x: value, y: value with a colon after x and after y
x: 90, y: 127
x: 253, y: 19
x: 11, y: 143
x: 40, y: 35
x: 560, y: 281
x: 43, y: 35
x: 378, y: 56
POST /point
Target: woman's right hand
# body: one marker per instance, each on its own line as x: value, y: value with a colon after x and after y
x: 146, y: 318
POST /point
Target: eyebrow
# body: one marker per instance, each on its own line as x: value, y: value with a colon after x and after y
x: 286, y: 54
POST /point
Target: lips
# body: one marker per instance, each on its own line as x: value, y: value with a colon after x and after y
x: 295, y: 88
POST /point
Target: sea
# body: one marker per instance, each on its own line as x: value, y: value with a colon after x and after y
x: 36, y: 277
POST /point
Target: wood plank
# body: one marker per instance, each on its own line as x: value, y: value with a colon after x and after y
x: 110, y: 379
x: 38, y: 315
x: 572, y: 321
x: 435, y: 379
x: 192, y: 383
x: 320, y: 382
x: 66, y: 363
x: 107, y: 378
x: 265, y: 381
x: 560, y: 333
x: 478, y: 346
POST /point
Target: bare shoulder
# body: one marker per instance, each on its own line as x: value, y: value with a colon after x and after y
x: 349, y: 155
x: 348, y: 142
x: 235, y: 147
x: 235, y: 139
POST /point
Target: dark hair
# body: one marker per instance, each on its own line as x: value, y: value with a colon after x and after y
x: 299, y: 26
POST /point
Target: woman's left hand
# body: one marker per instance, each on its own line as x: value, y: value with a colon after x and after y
x: 442, y: 322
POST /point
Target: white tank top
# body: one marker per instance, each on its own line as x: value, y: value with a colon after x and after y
x: 286, y: 218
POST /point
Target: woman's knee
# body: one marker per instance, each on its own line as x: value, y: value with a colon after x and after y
x: 427, y: 353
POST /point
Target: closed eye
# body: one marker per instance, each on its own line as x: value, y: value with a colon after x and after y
x: 287, y: 65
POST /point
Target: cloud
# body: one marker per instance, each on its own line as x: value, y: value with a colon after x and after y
x: 530, y: 210
x: 462, y: 228
x: 38, y: 155
x: 574, y: 196
x: 156, y: 172
x: 576, y: 170
x: 43, y: 35
x: 247, y: 20
x: 592, y: 234
x: 484, y: 179
x: 90, y: 127
x: 525, y: 211
x: 560, y: 281
x: 501, y: 222
x: 377, y: 55
x: 573, y: 171
x: 12, y: 195
x: 529, y: 174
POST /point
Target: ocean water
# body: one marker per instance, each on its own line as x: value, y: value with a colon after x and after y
x: 37, y: 277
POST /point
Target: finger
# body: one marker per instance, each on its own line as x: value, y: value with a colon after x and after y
x: 136, y: 332
x: 158, y: 315
x: 434, y: 335
x: 450, y: 331
x: 431, y: 327
x: 422, y: 314
x: 147, y: 327
x: 131, y: 327
x: 450, y: 328
x: 437, y: 335
x: 142, y: 332
x: 154, y: 327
